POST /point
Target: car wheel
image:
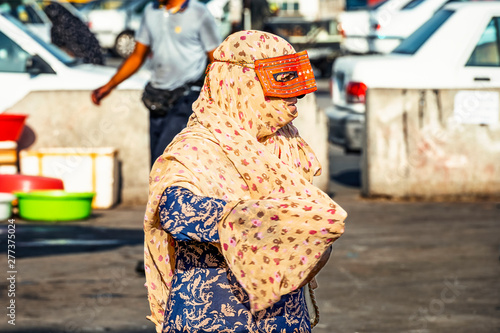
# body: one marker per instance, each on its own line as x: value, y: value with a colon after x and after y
x: 125, y: 44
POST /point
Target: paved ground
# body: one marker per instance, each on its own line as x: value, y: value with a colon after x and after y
x: 400, y: 267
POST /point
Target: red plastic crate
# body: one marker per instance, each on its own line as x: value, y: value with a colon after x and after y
x: 11, y: 126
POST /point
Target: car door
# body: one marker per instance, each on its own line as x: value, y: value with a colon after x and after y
x: 482, y: 67
x: 14, y: 77
x: 478, y: 103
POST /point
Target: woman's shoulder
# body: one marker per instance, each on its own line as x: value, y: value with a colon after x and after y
x: 195, y: 137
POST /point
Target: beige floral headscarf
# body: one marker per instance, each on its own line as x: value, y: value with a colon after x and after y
x: 241, y: 147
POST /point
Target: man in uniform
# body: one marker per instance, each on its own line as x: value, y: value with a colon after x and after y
x: 179, y: 35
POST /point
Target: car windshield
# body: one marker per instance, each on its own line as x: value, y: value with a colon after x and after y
x: 413, y: 42
x: 377, y: 5
x: 130, y: 4
x: 111, y: 4
x: 54, y: 50
x: 353, y: 5
x: 25, y: 12
x: 412, y: 4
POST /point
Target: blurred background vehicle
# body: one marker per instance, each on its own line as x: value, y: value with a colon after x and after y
x: 29, y: 13
x: 28, y: 63
x: 114, y: 23
x: 67, y: 5
x: 355, y: 24
x: 380, y: 28
x: 457, y: 48
x: 72, y: 35
x: 351, y: 5
x: 220, y: 11
x: 319, y: 37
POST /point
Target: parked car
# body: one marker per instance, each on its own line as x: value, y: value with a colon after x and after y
x: 30, y: 14
x: 27, y: 63
x: 380, y: 28
x: 114, y: 23
x: 359, y: 4
x: 319, y: 37
x: 457, y: 48
x: 354, y: 25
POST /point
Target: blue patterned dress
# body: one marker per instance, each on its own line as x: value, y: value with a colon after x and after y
x: 205, y: 296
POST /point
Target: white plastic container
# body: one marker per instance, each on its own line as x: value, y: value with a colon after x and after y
x: 81, y: 170
x: 6, y: 206
x: 8, y: 157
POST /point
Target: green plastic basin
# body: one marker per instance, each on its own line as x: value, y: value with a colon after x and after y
x: 54, y: 205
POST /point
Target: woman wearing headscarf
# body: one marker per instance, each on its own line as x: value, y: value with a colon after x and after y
x: 234, y: 228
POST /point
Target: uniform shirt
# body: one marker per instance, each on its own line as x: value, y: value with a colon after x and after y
x: 179, y: 43
x: 205, y: 295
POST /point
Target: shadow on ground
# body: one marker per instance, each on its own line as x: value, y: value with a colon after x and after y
x: 351, y: 178
x: 35, y: 240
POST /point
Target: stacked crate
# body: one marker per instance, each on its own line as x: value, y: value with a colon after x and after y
x: 8, y: 157
x: 81, y: 170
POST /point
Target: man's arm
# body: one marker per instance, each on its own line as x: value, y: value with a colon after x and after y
x: 210, y: 55
x: 126, y: 70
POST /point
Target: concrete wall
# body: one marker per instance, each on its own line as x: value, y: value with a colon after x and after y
x: 69, y: 119
x: 429, y: 144
x: 312, y: 124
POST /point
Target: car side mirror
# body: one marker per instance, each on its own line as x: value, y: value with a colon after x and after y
x: 36, y: 65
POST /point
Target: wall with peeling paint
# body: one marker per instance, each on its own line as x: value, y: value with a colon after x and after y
x: 69, y: 119
x: 312, y: 124
x: 423, y: 144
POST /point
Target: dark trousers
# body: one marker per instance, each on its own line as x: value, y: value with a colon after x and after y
x: 164, y: 128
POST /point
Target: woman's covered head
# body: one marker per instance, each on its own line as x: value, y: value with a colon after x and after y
x: 255, y: 79
x: 250, y: 45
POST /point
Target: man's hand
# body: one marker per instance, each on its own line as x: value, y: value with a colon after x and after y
x: 98, y: 94
x: 127, y: 68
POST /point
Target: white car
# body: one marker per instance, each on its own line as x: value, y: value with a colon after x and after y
x: 27, y: 64
x: 114, y: 23
x: 31, y: 14
x: 457, y: 48
x: 382, y: 27
x: 354, y: 25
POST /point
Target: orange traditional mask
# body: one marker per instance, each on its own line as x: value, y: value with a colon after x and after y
x: 286, y: 76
